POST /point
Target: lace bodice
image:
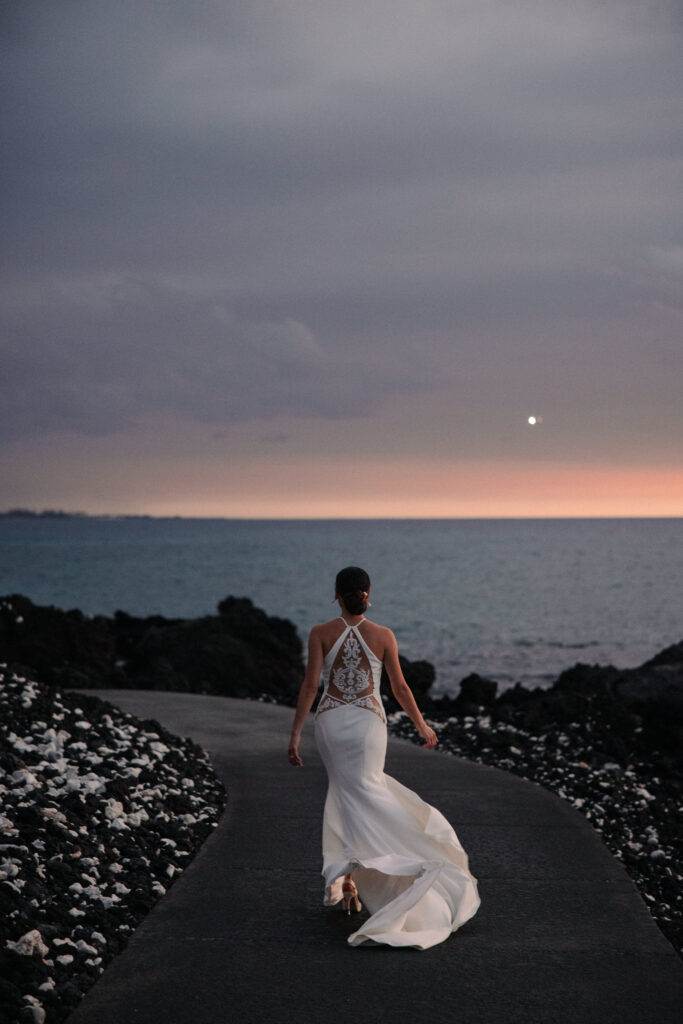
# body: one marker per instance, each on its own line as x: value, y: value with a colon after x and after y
x: 351, y: 674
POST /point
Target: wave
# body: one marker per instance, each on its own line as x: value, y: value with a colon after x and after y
x: 558, y: 644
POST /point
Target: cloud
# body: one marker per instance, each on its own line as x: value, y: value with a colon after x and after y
x: 116, y: 350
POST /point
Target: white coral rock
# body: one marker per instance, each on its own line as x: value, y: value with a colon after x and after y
x: 28, y: 944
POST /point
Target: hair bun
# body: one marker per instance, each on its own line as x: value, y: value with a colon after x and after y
x: 353, y: 585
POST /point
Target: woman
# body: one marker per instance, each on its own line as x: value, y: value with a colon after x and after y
x: 382, y: 844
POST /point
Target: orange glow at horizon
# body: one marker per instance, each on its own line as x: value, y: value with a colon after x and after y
x: 346, y: 488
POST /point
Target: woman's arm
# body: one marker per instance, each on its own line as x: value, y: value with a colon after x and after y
x: 307, y: 693
x: 403, y: 693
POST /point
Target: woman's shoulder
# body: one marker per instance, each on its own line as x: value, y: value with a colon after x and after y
x: 382, y: 635
x: 369, y: 624
x: 325, y: 628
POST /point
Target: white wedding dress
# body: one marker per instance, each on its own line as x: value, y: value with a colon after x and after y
x: 410, y: 869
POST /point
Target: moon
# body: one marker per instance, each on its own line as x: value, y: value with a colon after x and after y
x: 533, y: 420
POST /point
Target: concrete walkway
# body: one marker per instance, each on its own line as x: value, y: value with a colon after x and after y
x: 562, y: 936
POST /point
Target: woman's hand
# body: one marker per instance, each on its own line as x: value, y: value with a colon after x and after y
x: 428, y: 735
x: 293, y: 754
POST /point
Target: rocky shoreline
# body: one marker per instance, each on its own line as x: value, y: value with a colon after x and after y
x: 101, y: 810
x: 235, y: 653
x: 100, y: 813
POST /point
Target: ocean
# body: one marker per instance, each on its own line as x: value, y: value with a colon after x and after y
x: 514, y: 600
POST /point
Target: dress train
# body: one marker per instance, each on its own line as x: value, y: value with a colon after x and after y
x: 411, y: 871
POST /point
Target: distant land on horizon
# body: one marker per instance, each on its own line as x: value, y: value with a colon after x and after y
x: 49, y: 513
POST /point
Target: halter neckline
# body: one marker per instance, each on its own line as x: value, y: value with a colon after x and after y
x: 349, y: 625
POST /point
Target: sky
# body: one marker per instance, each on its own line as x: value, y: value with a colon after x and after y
x: 301, y: 259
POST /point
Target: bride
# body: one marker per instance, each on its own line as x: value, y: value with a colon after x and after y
x: 382, y: 844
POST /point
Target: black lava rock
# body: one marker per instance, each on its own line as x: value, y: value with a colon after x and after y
x: 241, y: 652
x: 90, y: 836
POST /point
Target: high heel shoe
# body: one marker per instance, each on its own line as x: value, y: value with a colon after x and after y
x: 350, y: 896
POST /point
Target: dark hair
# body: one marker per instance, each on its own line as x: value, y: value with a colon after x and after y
x: 352, y: 585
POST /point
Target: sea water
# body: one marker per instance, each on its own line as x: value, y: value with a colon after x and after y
x: 514, y: 600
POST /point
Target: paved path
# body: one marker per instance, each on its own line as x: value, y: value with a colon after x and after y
x: 561, y: 937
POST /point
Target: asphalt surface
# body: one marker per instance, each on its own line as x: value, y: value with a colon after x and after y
x: 562, y: 935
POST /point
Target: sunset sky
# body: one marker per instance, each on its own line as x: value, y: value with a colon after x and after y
x: 327, y: 259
